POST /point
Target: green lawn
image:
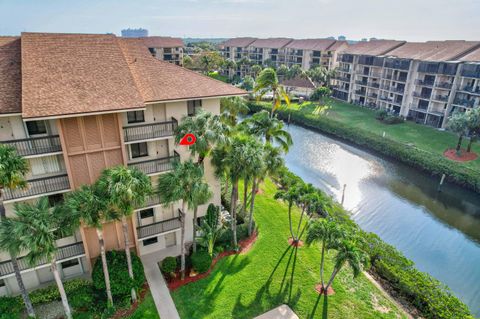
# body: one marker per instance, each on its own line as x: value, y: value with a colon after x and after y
x: 273, y: 273
x: 146, y: 310
x: 423, y: 137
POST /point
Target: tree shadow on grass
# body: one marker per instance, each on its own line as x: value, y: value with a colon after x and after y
x: 269, y: 280
x: 324, y: 309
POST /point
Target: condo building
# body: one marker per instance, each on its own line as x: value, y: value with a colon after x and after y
x: 420, y: 81
x: 165, y: 48
x: 75, y: 104
x: 310, y: 53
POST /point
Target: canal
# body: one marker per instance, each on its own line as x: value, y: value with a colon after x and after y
x: 439, y: 231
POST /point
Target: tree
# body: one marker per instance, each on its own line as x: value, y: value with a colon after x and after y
x: 207, y: 128
x: 320, y: 93
x: 91, y: 204
x: 187, y: 62
x: 127, y: 189
x: 248, y: 83
x: 200, y: 195
x: 37, y: 228
x: 231, y: 107
x: 13, y: 169
x: 267, y: 81
x: 255, y: 69
x: 261, y: 124
x: 294, y: 71
x: 210, y: 61
x: 282, y: 71
x: 458, y: 123
x: 320, y: 75
x: 329, y: 234
x: 473, y: 125
x: 210, y: 228
x: 178, y: 185
x: 291, y: 197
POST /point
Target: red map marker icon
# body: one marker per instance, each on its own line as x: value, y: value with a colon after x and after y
x: 188, y: 139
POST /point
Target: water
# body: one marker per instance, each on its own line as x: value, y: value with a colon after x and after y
x: 440, y: 232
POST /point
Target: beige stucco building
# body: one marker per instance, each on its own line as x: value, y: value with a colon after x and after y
x: 99, y: 102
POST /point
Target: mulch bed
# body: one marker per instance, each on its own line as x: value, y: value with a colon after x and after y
x: 464, y: 155
x: 320, y: 291
x: 122, y: 313
x: 245, y: 245
x: 295, y: 244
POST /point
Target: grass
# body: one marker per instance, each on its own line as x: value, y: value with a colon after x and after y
x: 273, y: 273
x: 146, y: 310
x: 423, y: 137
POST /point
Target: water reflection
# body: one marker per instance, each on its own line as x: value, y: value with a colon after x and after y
x: 439, y: 231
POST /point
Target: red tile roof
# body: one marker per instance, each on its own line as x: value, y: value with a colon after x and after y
x: 373, y: 47
x: 271, y: 43
x: 311, y: 44
x: 10, y: 75
x: 434, y: 50
x: 162, y: 42
x: 239, y: 42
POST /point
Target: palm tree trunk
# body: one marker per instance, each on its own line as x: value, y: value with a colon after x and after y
x: 61, y: 290
x: 245, y: 192
x: 290, y: 220
x: 322, y: 264
x: 459, y: 144
x: 23, y: 291
x: 182, y: 241
x: 470, y: 142
x: 194, y: 226
x: 127, y: 253
x: 334, y: 273
x: 252, y: 202
x: 300, y: 224
x: 234, y: 212
x: 105, y: 266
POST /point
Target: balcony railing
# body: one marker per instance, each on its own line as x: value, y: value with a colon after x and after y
x: 343, y: 69
x: 374, y: 84
x: 158, y: 227
x: 361, y: 83
x: 360, y: 92
x: 471, y: 89
x: 385, y: 98
x: 39, y: 186
x: 443, y: 85
x: 464, y: 102
x: 417, y: 107
x: 36, y: 145
x: 149, y: 131
x: 442, y: 98
x: 422, y: 95
x: 372, y: 95
x: 151, y: 200
x: 423, y: 82
x: 156, y: 165
x: 63, y: 252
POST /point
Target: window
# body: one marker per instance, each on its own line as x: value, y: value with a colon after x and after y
x: 36, y: 127
x: 55, y: 199
x: 70, y: 263
x: 150, y: 241
x: 192, y: 106
x: 139, y: 149
x: 146, y: 213
x: 135, y: 117
x: 2, y: 283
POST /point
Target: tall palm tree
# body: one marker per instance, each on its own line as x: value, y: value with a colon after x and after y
x: 127, y: 189
x: 267, y: 81
x: 38, y: 227
x: 178, y: 185
x: 91, y: 204
x: 291, y: 197
x: 458, y: 123
x: 231, y: 107
x: 329, y: 234
x: 271, y: 129
x: 199, y: 195
x: 9, y: 243
x: 13, y: 169
x: 207, y: 128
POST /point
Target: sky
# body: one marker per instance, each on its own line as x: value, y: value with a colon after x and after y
x: 411, y: 20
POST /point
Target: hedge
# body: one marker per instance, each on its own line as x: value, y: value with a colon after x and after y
x: 429, y: 162
x: 432, y: 298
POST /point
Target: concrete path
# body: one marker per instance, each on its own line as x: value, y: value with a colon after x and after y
x: 158, y: 287
x: 282, y: 312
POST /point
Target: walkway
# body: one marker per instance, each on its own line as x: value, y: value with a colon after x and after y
x: 281, y: 312
x: 158, y: 287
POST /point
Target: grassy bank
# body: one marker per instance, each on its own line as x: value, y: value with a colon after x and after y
x: 273, y: 273
x: 416, y: 145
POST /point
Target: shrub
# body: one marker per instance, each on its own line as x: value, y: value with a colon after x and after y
x: 201, y: 261
x: 320, y: 93
x: 168, y: 266
x: 10, y: 307
x: 393, y: 119
x: 381, y: 114
x: 82, y: 298
x: 51, y: 293
x: 120, y: 282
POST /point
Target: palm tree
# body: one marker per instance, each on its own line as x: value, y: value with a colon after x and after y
x: 200, y: 195
x: 458, y: 123
x: 38, y: 227
x: 178, y: 185
x: 256, y: 69
x: 91, y: 204
x: 291, y: 197
x: 261, y: 124
x: 127, y: 189
x: 329, y: 234
x: 207, y: 128
x: 13, y: 169
x: 9, y: 243
x: 267, y: 81
x: 231, y: 107
x: 473, y: 120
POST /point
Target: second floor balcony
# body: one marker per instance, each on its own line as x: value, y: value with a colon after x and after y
x: 38, y: 187
x: 159, y: 227
x: 149, y: 131
x: 36, y: 145
x: 156, y: 165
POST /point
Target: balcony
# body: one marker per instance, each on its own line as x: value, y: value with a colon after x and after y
x: 421, y: 108
x: 423, y: 82
x: 374, y: 84
x: 342, y: 78
x: 364, y: 83
x: 152, y: 200
x: 39, y: 186
x: 142, y: 132
x: 63, y: 252
x: 440, y: 98
x: 158, y: 227
x: 421, y: 95
x: 464, y: 102
x: 443, y: 85
x: 372, y: 95
x: 360, y: 92
x: 471, y: 89
x: 386, y: 99
x: 157, y: 165
x: 343, y: 69
x: 36, y: 145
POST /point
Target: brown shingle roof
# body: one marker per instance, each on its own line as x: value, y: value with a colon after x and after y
x: 10, y: 75
x: 299, y: 82
x: 74, y: 73
x: 311, y: 44
x: 373, y: 47
x: 162, y: 42
x: 472, y: 56
x: 433, y: 50
x: 338, y: 45
x: 162, y: 81
x: 271, y: 43
x: 238, y: 42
